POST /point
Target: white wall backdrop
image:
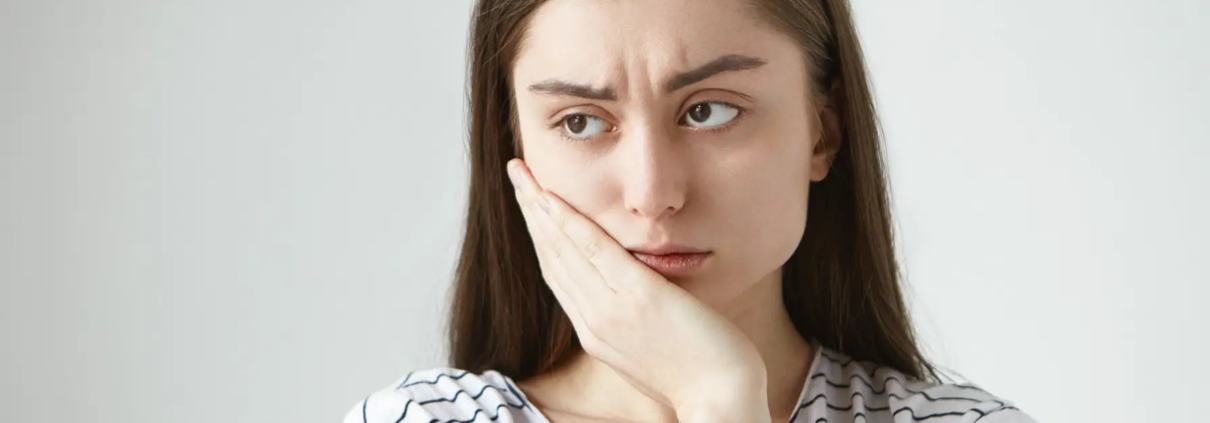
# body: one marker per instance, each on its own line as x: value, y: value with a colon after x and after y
x: 248, y: 211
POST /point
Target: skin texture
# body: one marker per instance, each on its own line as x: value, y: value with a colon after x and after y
x: 645, y: 172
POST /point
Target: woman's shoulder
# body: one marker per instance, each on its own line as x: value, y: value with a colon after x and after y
x: 445, y: 394
x: 839, y: 387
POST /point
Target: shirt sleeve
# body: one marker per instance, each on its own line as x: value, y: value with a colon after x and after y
x: 443, y: 395
x: 1007, y: 414
x: 387, y: 407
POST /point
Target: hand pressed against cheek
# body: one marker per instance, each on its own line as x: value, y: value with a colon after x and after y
x: 667, y: 343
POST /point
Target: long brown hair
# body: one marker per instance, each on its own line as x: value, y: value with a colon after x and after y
x: 840, y: 287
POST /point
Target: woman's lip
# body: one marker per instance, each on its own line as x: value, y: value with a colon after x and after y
x: 663, y: 249
x: 673, y: 265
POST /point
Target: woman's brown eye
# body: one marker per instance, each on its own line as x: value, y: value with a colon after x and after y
x: 576, y: 123
x: 710, y: 114
x: 700, y: 112
x: 582, y: 126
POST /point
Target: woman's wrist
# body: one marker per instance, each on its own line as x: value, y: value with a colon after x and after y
x: 727, y: 411
x: 727, y: 403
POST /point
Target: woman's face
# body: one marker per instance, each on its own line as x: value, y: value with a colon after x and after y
x: 673, y: 123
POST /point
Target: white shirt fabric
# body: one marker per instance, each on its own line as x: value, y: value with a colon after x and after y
x: 838, y: 390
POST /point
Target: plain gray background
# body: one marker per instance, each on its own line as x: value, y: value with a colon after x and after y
x: 248, y: 211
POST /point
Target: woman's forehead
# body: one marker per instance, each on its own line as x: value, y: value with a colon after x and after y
x: 603, y: 43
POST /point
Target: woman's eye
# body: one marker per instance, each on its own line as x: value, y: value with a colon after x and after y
x: 710, y: 114
x: 581, y: 126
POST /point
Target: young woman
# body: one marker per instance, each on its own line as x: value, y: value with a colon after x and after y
x: 637, y: 241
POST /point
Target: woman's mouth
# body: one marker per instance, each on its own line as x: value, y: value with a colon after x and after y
x: 676, y: 264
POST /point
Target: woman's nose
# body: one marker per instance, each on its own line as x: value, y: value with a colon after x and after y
x: 653, y: 175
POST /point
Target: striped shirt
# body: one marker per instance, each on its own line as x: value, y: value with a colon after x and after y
x: 839, y: 389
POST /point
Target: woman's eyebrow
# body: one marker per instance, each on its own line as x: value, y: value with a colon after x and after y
x: 561, y: 88
x: 727, y: 63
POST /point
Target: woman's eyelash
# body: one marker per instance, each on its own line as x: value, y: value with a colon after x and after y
x: 740, y: 114
x: 563, y: 120
x: 560, y: 126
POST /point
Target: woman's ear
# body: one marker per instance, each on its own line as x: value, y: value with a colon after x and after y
x: 830, y: 133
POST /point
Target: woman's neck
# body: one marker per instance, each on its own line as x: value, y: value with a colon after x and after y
x: 602, y: 393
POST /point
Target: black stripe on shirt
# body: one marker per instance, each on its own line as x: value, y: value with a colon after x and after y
x: 870, y: 384
x: 405, y: 411
x: 888, y: 408
x: 517, y: 393
x: 886, y: 386
x: 1002, y: 407
x: 405, y: 381
x: 474, y: 397
x: 852, y: 399
x: 437, y: 379
x: 470, y: 420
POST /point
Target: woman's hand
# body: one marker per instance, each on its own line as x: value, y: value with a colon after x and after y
x: 665, y: 342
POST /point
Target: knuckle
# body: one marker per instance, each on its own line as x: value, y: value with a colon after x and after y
x: 601, y: 322
x: 555, y: 246
x: 592, y: 248
x: 557, y: 219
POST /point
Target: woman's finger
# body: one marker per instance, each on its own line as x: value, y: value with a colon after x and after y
x: 555, y: 275
x: 614, y: 263
x: 552, y: 271
x: 581, y: 270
